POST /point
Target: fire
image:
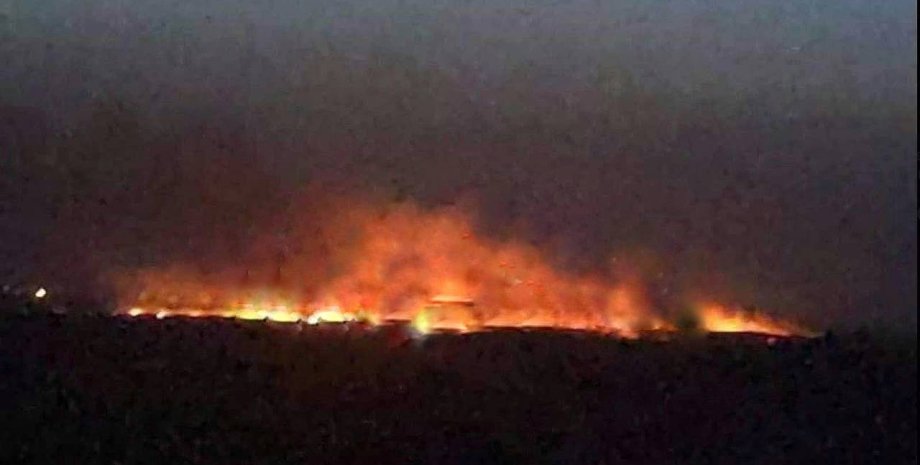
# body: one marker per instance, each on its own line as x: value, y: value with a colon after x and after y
x: 403, y: 263
x: 331, y: 315
x: 718, y: 318
x: 135, y: 311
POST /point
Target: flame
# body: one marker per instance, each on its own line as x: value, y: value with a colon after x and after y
x: 136, y: 311
x: 429, y: 268
x: 330, y: 315
x: 718, y: 318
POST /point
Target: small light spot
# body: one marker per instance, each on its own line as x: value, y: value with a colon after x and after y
x: 41, y: 293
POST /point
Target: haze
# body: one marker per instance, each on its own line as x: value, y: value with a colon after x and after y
x: 762, y: 149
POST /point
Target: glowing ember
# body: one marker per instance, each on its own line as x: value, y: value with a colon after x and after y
x: 427, y: 268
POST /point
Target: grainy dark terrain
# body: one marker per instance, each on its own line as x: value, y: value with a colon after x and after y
x: 108, y: 390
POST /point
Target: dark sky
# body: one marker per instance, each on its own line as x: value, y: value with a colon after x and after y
x: 767, y: 147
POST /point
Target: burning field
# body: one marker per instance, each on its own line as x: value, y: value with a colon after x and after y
x: 357, y: 334
x: 458, y: 233
x: 339, y: 260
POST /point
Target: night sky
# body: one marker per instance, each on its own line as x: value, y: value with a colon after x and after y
x: 764, y: 147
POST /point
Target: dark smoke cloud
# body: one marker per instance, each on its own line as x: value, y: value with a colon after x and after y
x: 767, y: 148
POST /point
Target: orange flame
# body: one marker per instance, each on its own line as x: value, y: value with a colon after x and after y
x: 718, y: 318
x: 430, y: 268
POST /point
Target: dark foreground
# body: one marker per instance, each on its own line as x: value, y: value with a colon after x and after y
x: 107, y: 390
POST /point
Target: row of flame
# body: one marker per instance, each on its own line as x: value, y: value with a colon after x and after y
x: 713, y: 318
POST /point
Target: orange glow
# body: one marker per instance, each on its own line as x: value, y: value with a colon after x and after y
x: 717, y: 318
x: 402, y: 263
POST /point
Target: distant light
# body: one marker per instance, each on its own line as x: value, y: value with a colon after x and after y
x: 41, y: 293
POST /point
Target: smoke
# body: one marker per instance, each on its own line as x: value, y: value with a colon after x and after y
x: 764, y: 152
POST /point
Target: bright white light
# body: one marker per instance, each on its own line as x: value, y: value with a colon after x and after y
x: 136, y: 311
x: 41, y: 293
x: 331, y: 314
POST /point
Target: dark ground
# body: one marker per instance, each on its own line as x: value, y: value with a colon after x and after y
x: 110, y: 390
